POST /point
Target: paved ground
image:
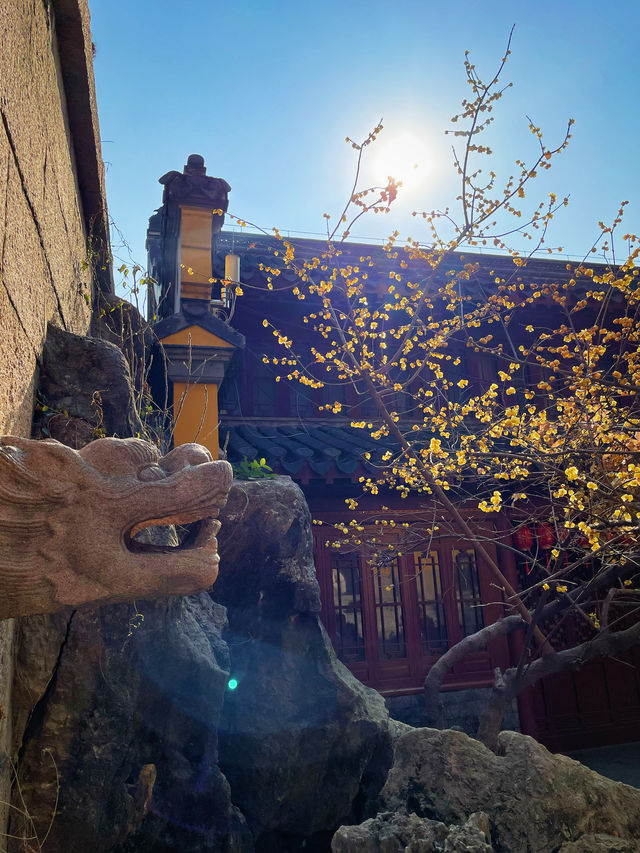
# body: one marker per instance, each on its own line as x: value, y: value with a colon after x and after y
x: 621, y: 762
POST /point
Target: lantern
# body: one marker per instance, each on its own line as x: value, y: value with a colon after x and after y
x: 546, y: 536
x: 523, y: 538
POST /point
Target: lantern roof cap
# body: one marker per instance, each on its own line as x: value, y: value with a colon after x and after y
x: 198, y: 314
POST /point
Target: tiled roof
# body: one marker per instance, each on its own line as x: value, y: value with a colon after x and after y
x: 304, y: 450
x: 260, y: 249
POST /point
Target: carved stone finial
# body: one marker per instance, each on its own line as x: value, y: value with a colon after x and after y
x: 69, y: 519
x: 195, y: 165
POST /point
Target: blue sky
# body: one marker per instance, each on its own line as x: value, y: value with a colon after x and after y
x: 267, y: 90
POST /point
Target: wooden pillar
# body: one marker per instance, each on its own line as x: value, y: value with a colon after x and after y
x: 196, y: 360
x: 195, y: 409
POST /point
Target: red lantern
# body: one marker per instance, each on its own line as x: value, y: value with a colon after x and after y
x: 546, y: 536
x: 523, y: 538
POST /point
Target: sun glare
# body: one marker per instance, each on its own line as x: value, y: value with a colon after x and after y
x: 403, y: 157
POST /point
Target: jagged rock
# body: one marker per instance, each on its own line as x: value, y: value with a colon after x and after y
x: 39, y: 640
x: 407, y: 833
x: 534, y: 800
x: 89, y: 379
x: 600, y: 843
x: 473, y: 836
x: 116, y: 710
x: 128, y: 722
x: 128, y: 717
x: 301, y: 739
x: 72, y: 431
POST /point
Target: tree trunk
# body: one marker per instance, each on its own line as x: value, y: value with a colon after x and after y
x: 505, y: 688
x: 474, y: 642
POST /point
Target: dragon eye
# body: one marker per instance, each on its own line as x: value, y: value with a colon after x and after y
x: 150, y: 473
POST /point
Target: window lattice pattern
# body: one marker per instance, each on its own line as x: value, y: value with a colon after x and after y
x: 433, y: 628
x: 347, y: 601
x: 468, y: 591
x: 389, y: 613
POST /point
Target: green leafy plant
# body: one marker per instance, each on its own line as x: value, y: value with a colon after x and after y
x: 256, y: 469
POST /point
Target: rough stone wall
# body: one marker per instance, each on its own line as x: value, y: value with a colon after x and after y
x: 7, y: 629
x: 51, y: 208
x: 43, y: 239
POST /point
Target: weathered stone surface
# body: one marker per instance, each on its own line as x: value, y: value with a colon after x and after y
x: 130, y: 716
x: 600, y: 843
x: 49, y: 161
x: 7, y: 632
x: 90, y: 379
x: 69, y: 521
x: 121, y: 708
x: 301, y: 739
x: 38, y: 642
x: 69, y: 430
x: 473, y: 836
x: 53, y: 204
x: 534, y: 800
x: 461, y: 709
x: 407, y: 833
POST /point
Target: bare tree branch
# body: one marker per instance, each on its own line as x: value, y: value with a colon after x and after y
x: 470, y: 644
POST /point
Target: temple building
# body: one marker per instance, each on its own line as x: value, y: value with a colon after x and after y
x: 389, y: 624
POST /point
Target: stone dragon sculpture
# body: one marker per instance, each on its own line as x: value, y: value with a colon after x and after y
x: 70, y: 522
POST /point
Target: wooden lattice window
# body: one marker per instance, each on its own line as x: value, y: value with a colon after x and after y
x: 387, y: 590
x: 347, y: 604
x: 468, y: 596
x: 431, y: 616
x: 391, y: 615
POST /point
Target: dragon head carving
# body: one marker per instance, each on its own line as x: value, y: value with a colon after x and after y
x: 70, y: 522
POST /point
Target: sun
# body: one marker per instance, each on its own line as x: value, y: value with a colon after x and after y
x: 403, y: 157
